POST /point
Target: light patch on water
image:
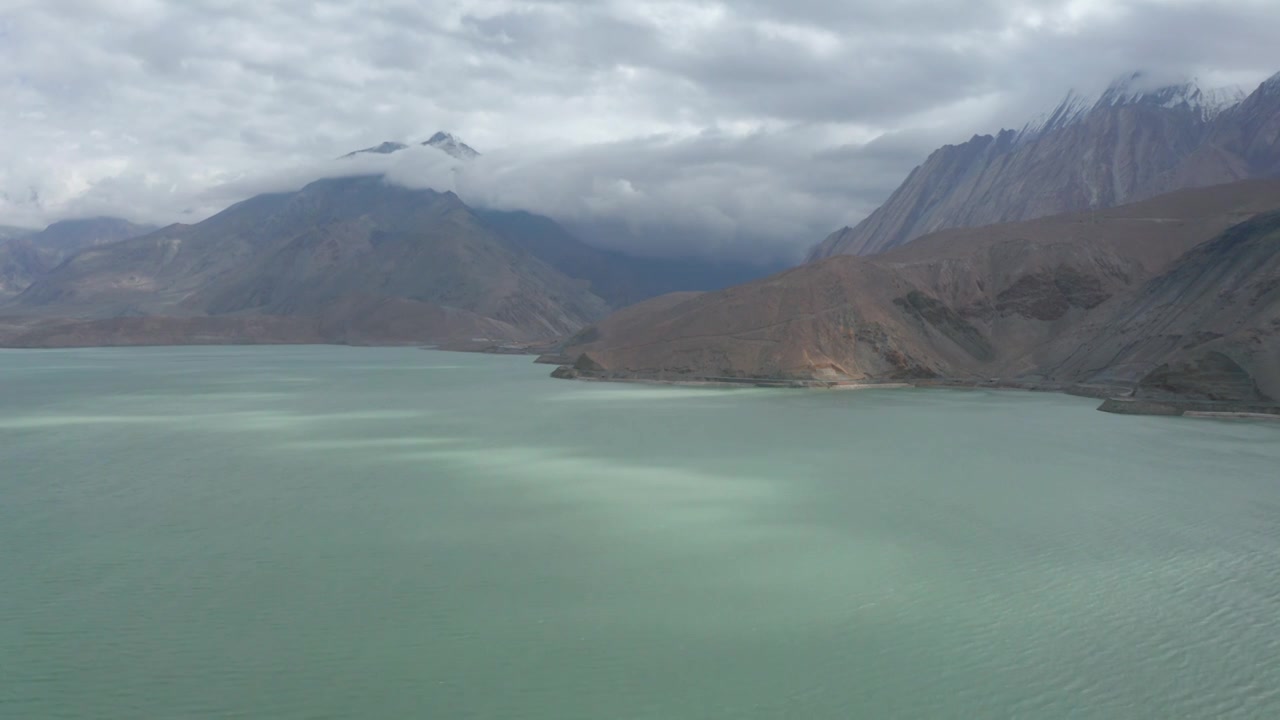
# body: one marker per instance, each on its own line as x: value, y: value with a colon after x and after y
x: 651, y: 393
x: 42, y: 422
x: 238, y: 420
x: 258, y: 379
x: 719, y: 533
x: 370, y: 443
x: 651, y: 495
x: 188, y: 398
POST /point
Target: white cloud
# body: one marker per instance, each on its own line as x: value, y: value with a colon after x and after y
x: 750, y: 127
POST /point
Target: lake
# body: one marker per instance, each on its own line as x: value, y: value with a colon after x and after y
x: 327, y: 532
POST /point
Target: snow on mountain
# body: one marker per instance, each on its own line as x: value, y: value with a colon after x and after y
x: 1139, y: 89
x: 452, y: 145
x: 442, y: 141
x: 385, y: 148
x: 1073, y: 107
x: 1139, y: 138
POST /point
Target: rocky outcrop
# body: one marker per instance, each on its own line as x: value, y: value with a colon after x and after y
x: 1126, y: 147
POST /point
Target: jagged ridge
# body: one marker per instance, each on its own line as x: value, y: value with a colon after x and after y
x: 1130, y: 143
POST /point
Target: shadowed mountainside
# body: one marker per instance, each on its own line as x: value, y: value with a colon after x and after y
x: 28, y: 256
x: 618, y: 278
x: 1208, y: 328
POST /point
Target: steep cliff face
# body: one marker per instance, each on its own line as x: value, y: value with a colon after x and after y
x: 1031, y: 300
x: 1128, y: 145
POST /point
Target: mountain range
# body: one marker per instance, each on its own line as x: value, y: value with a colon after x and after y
x: 1125, y: 242
x: 1072, y: 299
x: 349, y: 260
x: 1129, y: 144
x: 1103, y: 248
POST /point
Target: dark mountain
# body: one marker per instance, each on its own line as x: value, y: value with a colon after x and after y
x: 367, y: 261
x: 25, y: 258
x: 1059, y: 299
x: 1128, y: 145
x: 619, y: 278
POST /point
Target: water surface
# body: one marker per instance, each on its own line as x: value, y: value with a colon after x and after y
x: 393, y: 533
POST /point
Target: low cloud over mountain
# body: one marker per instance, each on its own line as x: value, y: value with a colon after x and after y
x: 749, y: 128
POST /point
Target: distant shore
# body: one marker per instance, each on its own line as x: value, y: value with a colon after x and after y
x: 1117, y: 399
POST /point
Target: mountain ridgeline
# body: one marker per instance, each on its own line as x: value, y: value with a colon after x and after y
x: 1128, y: 145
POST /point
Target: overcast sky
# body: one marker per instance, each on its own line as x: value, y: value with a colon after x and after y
x: 753, y: 127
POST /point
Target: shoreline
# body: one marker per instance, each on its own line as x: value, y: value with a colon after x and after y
x: 1117, y: 399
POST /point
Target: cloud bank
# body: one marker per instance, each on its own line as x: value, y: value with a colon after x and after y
x: 748, y: 129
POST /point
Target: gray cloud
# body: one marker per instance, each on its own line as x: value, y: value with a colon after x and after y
x: 666, y: 126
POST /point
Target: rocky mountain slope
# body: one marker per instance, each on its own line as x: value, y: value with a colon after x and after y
x: 364, y: 260
x: 1208, y: 328
x: 1130, y: 144
x: 25, y: 257
x: 966, y: 304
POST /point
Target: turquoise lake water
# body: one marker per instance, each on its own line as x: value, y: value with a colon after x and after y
x: 316, y: 532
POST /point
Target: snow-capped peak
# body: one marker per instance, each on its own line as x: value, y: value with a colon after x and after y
x: 452, y: 145
x: 442, y: 141
x: 1140, y: 89
x: 1223, y: 98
